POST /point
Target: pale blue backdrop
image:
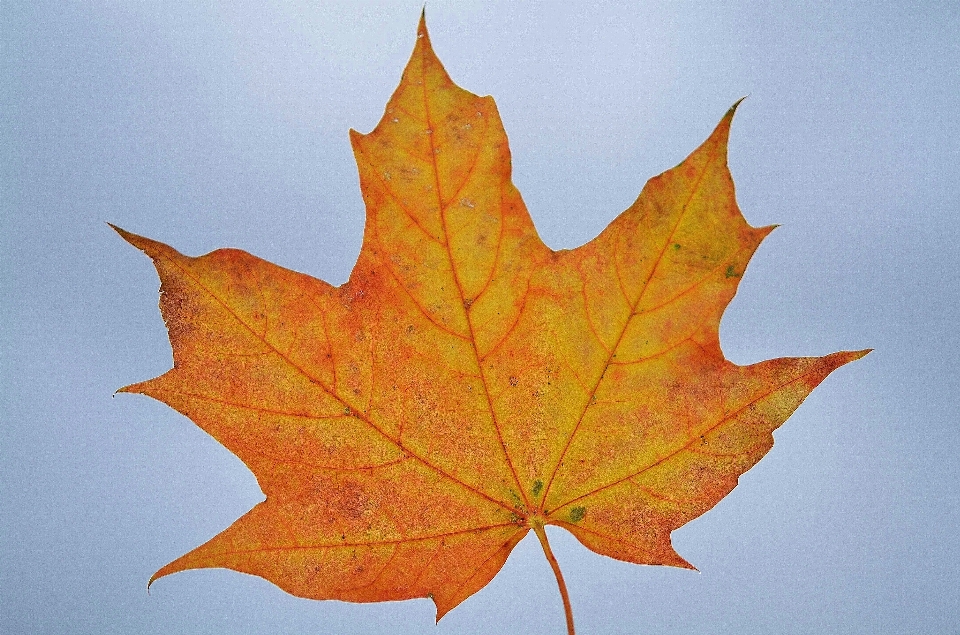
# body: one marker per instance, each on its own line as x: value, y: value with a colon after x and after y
x: 209, y: 124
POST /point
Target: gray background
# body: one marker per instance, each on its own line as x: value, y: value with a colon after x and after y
x: 209, y: 124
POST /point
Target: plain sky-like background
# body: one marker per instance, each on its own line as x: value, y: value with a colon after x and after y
x: 224, y: 124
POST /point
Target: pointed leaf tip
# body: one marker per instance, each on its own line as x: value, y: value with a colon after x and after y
x: 131, y: 389
x: 156, y: 576
x: 422, y: 25
x: 123, y: 233
x: 136, y: 240
x: 845, y: 357
x: 152, y: 248
x: 423, y: 48
x: 721, y: 134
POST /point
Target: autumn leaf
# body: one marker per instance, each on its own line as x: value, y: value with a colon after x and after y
x: 468, y: 384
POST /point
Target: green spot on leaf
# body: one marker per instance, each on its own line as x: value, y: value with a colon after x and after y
x: 577, y: 514
x: 731, y: 272
x: 676, y: 245
x: 537, y: 487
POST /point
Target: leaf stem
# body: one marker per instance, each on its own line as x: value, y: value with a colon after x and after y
x: 542, y: 535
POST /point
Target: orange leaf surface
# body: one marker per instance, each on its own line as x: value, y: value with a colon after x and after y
x: 468, y: 384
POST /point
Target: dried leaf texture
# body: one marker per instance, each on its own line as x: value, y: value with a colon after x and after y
x: 468, y: 384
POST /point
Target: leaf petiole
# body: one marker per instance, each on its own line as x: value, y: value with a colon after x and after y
x: 542, y: 535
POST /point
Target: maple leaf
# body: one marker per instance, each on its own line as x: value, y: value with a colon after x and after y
x: 468, y: 384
